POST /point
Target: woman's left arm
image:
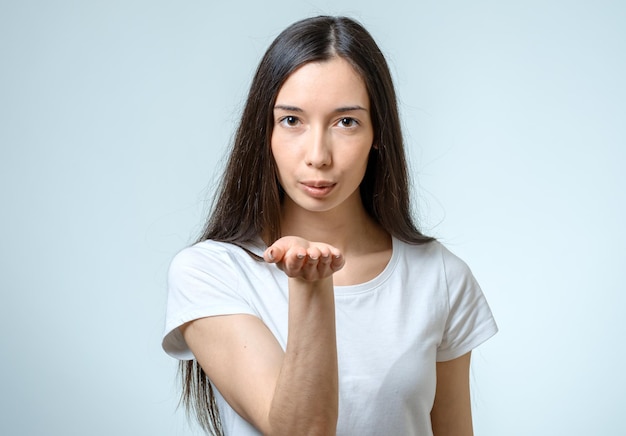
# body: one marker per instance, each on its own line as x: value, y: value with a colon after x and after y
x: 452, y: 411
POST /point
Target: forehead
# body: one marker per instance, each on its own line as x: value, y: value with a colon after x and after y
x: 333, y: 82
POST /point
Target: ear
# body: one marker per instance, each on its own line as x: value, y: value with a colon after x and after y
x: 375, y: 146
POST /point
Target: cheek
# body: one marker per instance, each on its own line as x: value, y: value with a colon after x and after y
x: 286, y: 152
x: 360, y: 155
x: 363, y: 162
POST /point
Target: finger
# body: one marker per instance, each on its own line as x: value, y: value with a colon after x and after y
x: 310, y: 265
x: 310, y: 269
x: 314, y: 253
x: 294, y: 260
x: 325, y: 256
x: 273, y: 254
x: 337, y: 262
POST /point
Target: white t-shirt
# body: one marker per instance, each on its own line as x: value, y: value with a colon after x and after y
x: 424, y: 307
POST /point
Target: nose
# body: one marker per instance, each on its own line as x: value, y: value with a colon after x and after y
x: 318, y: 152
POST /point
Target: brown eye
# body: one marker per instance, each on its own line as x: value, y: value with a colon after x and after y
x: 348, y: 122
x: 290, y: 121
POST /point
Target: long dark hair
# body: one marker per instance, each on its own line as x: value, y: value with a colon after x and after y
x: 248, y: 202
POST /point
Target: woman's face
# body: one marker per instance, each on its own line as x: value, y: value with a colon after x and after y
x: 322, y: 136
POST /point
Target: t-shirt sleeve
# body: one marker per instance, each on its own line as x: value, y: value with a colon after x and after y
x: 201, y: 282
x: 470, y: 321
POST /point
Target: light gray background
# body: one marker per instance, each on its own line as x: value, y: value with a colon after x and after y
x: 114, y: 116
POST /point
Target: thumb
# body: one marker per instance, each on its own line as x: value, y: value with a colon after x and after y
x: 273, y: 254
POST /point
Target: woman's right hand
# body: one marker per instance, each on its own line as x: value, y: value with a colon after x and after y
x: 280, y: 391
x: 302, y: 259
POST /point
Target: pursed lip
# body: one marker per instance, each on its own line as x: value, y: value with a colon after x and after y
x: 317, y: 188
x: 318, y: 183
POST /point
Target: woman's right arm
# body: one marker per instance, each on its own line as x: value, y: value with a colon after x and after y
x: 291, y: 392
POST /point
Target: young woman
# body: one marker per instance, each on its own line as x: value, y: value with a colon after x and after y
x: 312, y: 304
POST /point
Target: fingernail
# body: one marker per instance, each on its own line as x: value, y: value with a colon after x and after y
x: 270, y: 254
x: 300, y: 256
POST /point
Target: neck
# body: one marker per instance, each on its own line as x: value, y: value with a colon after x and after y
x: 349, y: 227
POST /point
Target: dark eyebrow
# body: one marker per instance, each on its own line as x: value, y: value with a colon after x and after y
x: 350, y: 109
x: 288, y: 108
x: 338, y: 110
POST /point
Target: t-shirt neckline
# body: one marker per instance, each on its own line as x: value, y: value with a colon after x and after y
x: 359, y: 288
x: 377, y: 281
